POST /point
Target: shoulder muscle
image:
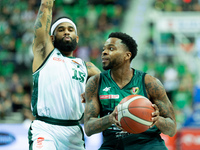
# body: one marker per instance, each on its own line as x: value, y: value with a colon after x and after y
x: 154, y: 87
x: 92, y: 69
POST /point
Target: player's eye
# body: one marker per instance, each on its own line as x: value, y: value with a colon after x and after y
x: 71, y: 29
x: 60, y: 29
x: 111, y: 48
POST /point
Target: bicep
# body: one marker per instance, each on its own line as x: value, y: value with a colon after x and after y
x: 92, y: 108
x: 158, y: 96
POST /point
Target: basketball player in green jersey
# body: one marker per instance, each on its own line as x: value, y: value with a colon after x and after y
x: 58, y: 81
x: 104, y: 91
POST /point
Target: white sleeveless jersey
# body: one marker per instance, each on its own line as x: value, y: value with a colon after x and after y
x: 57, y: 87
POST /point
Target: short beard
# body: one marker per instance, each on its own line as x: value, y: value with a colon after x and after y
x: 106, y: 68
x: 65, y: 46
x: 109, y: 66
x: 114, y: 63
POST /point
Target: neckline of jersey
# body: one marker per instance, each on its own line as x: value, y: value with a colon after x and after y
x: 109, y: 73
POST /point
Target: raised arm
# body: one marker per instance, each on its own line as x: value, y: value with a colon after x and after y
x: 164, y: 117
x: 92, y: 69
x: 42, y: 43
x: 92, y: 123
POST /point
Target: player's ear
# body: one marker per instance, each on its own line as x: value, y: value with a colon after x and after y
x: 52, y: 38
x: 128, y: 55
x: 77, y: 38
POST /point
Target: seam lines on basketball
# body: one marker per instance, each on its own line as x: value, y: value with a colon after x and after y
x: 142, y: 107
x: 128, y: 126
x: 137, y: 119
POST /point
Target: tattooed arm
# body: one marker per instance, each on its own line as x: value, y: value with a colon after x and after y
x: 163, y: 117
x: 42, y: 43
x: 92, y: 69
x: 92, y: 123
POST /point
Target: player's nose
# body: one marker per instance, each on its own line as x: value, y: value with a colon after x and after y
x: 67, y: 32
x: 104, y: 52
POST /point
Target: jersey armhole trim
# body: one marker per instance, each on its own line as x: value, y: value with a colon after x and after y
x: 86, y: 68
x: 143, y: 81
x: 44, y: 61
x: 99, y: 84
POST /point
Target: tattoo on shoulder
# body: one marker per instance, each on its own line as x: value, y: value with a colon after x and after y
x: 92, y: 68
x: 156, y: 89
x: 89, y: 65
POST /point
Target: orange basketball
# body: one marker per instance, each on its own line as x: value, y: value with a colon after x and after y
x: 135, y: 113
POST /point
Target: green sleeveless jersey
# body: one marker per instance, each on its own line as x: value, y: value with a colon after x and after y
x: 110, y: 95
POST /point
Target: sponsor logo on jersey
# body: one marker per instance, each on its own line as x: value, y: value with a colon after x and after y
x: 107, y: 89
x: 58, y: 59
x: 135, y: 90
x: 109, y: 96
x: 62, y: 60
x: 39, y: 142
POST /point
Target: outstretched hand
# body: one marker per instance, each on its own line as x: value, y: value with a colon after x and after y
x: 155, y: 115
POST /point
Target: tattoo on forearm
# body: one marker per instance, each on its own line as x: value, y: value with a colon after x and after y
x: 50, y: 3
x: 38, y: 23
x: 48, y: 22
x: 163, y: 109
x: 92, y: 110
x: 98, y: 125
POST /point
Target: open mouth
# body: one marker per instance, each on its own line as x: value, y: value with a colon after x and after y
x: 105, y: 59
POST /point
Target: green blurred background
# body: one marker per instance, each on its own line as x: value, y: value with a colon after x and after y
x: 167, y: 32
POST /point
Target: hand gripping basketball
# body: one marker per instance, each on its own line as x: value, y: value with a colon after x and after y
x: 135, y: 113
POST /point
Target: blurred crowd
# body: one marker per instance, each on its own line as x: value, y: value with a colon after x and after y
x: 178, y: 76
x: 94, y: 22
x: 177, y: 5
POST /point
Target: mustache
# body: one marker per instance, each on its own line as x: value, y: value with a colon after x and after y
x: 67, y: 37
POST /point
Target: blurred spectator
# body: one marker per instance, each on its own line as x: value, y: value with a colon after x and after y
x: 117, y: 17
x: 17, y: 98
x: 26, y: 110
x: 5, y: 104
x: 14, y: 83
x: 103, y: 22
x: 92, y: 16
x: 176, y: 5
x: 170, y: 80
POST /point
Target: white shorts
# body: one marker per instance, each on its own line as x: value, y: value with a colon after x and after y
x: 44, y: 136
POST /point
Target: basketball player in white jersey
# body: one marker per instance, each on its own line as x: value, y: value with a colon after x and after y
x: 58, y: 81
